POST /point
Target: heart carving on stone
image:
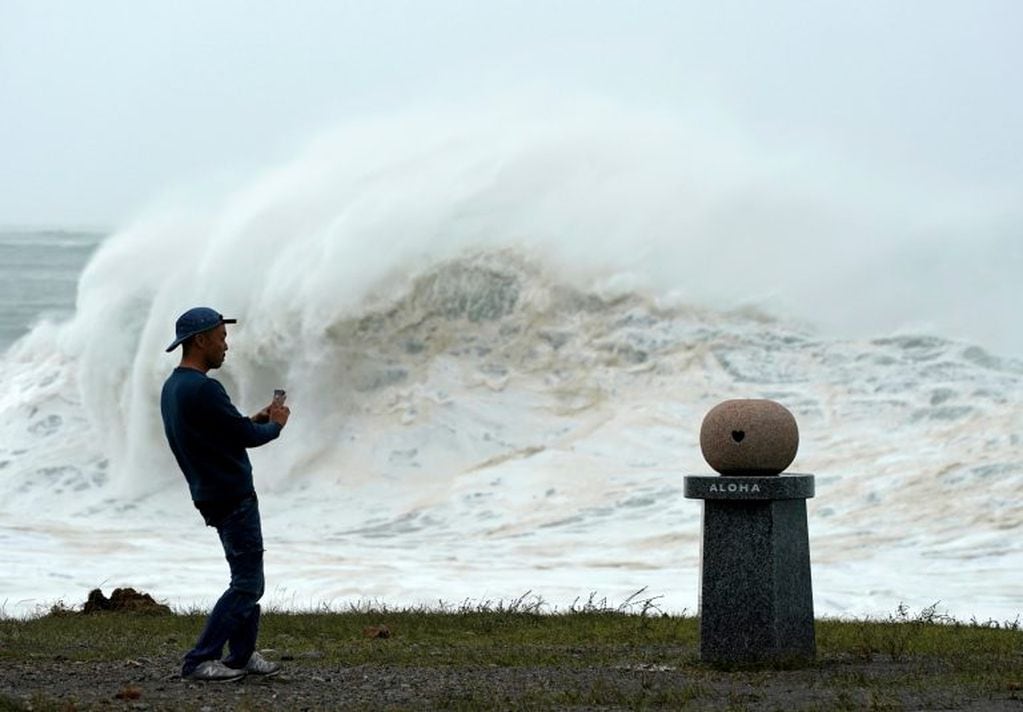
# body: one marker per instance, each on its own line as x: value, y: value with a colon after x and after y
x: 738, y: 435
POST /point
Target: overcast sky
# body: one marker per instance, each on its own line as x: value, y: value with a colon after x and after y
x: 104, y: 105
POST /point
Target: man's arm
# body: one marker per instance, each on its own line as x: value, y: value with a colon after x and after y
x: 234, y: 426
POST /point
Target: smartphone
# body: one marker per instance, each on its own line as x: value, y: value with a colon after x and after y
x: 279, y: 396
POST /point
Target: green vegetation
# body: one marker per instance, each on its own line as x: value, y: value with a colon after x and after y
x: 521, y: 655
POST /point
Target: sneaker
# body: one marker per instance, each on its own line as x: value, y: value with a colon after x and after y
x: 214, y: 671
x: 258, y: 665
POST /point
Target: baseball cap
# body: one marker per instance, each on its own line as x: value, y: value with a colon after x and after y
x: 195, y: 321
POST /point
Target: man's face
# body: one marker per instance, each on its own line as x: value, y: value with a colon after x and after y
x: 214, y: 343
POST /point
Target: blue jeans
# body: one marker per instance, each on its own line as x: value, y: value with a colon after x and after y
x: 235, y: 618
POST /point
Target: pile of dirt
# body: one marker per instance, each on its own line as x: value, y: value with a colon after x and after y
x: 126, y: 600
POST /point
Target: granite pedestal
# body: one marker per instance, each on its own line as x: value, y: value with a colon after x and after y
x: 756, y: 601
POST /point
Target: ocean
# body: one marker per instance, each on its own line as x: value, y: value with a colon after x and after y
x: 39, y: 272
x: 498, y: 352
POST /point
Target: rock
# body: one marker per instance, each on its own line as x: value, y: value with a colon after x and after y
x: 124, y: 600
x: 750, y: 437
x: 96, y: 602
x: 129, y: 692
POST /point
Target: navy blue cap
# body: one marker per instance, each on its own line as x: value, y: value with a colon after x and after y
x: 195, y: 321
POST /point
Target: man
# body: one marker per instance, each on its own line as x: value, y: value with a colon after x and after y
x: 209, y: 438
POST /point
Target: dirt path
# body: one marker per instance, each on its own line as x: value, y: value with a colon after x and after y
x: 153, y: 684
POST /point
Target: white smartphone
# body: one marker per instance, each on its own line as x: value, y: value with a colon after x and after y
x: 279, y: 396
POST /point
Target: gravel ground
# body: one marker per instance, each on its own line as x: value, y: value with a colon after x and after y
x: 153, y: 684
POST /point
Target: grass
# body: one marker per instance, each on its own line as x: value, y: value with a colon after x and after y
x: 516, y: 633
x: 904, y: 660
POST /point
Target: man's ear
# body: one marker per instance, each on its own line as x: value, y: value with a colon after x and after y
x: 194, y: 343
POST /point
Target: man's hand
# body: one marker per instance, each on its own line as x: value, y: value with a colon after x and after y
x: 262, y: 416
x: 278, y: 413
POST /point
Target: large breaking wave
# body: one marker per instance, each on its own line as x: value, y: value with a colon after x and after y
x: 498, y: 346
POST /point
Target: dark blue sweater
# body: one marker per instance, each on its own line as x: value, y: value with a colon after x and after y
x: 209, y: 436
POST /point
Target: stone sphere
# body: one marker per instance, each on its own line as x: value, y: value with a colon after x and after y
x: 749, y: 437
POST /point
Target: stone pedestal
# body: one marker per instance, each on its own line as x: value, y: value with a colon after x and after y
x: 756, y: 601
